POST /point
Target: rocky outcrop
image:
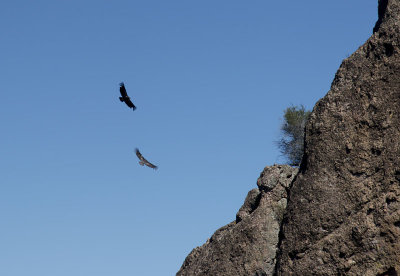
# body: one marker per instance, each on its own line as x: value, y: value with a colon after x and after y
x: 248, y: 245
x: 343, y: 214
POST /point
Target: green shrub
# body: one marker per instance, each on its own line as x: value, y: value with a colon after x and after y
x: 291, y: 143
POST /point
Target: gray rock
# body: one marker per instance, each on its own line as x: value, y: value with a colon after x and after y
x: 343, y: 213
x: 248, y: 245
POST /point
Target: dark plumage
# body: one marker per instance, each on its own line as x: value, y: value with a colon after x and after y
x: 143, y: 161
x: 125, y: 98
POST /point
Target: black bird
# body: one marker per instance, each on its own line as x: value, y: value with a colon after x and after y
x: 143, y: 161
x: 125, y: 98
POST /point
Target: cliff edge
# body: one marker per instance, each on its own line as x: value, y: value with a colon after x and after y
x: 343, y: 213
x: 343, y: 205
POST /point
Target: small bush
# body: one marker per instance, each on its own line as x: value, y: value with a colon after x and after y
x: 291, y: 143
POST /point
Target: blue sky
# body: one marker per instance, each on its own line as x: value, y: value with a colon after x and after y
x: 210, y: 80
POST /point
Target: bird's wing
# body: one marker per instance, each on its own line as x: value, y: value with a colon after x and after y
x: 139, y: 155
x: 122, y: 90
x: 148, y: 164
x: 129, y: 103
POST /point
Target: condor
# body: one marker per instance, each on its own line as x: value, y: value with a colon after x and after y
x: 143, y: 161
x: 125, y: 98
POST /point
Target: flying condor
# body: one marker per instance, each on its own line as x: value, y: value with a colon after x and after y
x: 143, y: 161
x: 125, y: 98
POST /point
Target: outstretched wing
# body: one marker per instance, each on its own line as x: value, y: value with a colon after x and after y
x: 148, y: 164
x: 139, y: 155
x: 122, y: 90
x: 144, y: 161
x: 129, y: 103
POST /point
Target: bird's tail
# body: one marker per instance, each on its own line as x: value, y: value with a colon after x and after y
x: 121, y: 99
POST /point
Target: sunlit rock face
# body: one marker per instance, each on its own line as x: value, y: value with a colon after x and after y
x: 248, y: 245
x: 343, y: 212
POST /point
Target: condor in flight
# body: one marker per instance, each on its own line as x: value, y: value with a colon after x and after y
x: 125, y: 98
x: 143, y: 161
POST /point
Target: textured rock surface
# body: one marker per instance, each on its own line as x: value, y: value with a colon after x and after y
x: 343, y: 215
x: 248, y: 245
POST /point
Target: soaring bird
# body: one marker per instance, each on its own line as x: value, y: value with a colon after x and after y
x: 125, y: 98
x: 143, y: 161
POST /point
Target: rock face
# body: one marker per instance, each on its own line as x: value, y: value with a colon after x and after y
x: 343, y: 214
x: 248, y: 245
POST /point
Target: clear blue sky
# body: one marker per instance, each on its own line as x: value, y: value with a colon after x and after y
x: 210, y: 80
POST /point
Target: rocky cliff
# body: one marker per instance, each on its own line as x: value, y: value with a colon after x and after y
x: 343, y: 214
x: 343, y: 210
x: 248, y: 245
